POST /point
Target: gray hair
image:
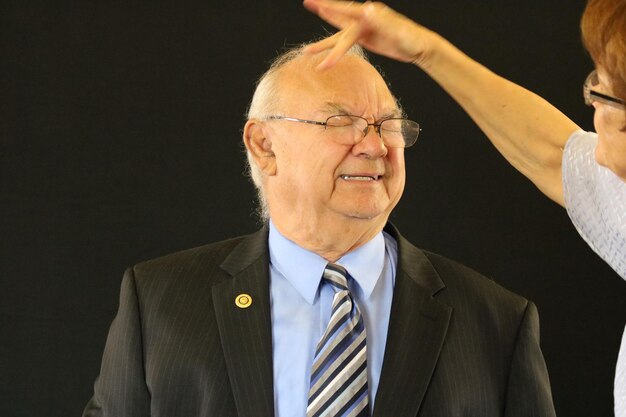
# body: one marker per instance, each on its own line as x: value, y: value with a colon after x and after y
x: 265, y: 103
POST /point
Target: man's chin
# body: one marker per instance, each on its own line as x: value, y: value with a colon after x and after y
x: 371, y: 214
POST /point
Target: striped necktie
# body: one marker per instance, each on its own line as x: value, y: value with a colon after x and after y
x: 339, y: 374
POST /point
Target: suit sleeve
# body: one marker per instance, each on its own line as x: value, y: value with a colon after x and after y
x: 120, y: 390
x: 528, y: 390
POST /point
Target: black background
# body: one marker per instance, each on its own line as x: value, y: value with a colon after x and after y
x: 120, y: 140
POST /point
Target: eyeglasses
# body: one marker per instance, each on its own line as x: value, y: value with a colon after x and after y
x: 591, y: 95
x: 349, y: 130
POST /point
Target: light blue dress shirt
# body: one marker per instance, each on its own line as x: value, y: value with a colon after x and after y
x: 301, y: 308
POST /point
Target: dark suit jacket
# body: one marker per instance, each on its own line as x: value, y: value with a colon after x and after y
x: 458, y: 344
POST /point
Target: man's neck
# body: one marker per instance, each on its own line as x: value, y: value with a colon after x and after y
x: 330, y: 240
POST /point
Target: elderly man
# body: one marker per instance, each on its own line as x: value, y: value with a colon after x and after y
x: 327, y: 310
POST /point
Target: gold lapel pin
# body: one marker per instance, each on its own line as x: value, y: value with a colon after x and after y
x: 243, y: 301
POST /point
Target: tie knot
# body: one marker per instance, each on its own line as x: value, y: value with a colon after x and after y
x: 337, y: 276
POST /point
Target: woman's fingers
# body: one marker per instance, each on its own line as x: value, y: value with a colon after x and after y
x: 345, y: 39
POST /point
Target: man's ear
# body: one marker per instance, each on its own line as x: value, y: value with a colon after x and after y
x: 259, y: 146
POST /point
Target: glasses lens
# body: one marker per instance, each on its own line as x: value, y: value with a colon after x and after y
x: 592, y: 79
x: 399, y: 133
x: 339, y: 121
x: 590, y: 82
x: 346, y: 130
x: 591, y: 93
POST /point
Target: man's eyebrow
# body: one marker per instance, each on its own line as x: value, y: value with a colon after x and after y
x: 336, y: 108
x: 396, y: 113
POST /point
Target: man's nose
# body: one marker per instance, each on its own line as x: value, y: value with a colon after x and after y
x: 372, y: 144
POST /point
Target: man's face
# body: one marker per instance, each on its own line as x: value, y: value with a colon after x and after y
x: 317, y: 180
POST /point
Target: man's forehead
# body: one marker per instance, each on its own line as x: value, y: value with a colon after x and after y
x: 305, y: 65
x: 338, y: 90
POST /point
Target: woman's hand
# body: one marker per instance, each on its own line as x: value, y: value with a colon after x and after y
x: 374, y: 26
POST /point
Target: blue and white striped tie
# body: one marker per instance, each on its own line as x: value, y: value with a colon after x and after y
x: 339, y: 374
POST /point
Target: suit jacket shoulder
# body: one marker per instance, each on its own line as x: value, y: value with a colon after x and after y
x: 191, y: 261
x: 463, y: 281
x: 459, y: 344
x: 179, y: 345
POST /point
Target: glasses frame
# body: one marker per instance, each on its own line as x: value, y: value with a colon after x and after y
x: 590, y: 95
x: 365, y: 131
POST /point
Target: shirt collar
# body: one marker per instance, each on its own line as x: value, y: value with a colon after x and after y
x: 304, y: 269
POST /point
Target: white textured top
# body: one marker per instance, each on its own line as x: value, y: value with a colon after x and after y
x: 595, y: 199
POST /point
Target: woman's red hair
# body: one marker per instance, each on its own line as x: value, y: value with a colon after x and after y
x: 603, y: 27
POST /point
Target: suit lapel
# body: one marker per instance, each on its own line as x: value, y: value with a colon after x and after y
x: 417, y: 330
x: 246, y: 333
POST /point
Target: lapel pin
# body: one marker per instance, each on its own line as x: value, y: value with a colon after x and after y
x: 243, y: 301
